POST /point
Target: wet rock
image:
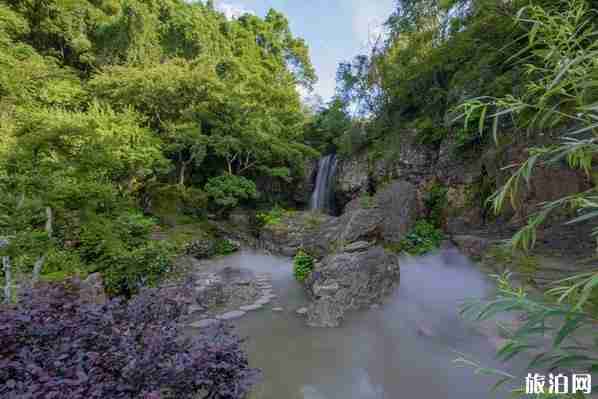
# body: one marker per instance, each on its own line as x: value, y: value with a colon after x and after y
x: 321, y: 290
x: 325, y: 313
x: 248, y: 308
x: 302, y: 311
x: 348, y: 281
x: 201, y: 248
x: 211, y: 294
x: 235, y: 314
x: 263, y: 301
x: 391, y: 215
x: 357, y: 246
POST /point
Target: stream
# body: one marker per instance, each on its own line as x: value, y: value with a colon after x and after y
x: 402, y: 349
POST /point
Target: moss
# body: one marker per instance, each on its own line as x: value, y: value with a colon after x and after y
x: 61, y: 276
x: 182, y: 234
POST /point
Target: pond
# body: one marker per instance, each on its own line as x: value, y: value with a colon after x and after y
x: 402, y: 349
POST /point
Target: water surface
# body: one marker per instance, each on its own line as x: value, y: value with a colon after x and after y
x: 404, y: 349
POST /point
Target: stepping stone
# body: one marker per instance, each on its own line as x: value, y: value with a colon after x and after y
x: 235, y: 314
x: 203, y: 323
x: 266, y: 286
x: 302, y: 311
x: 195, y: 309
x: 277, y: 309
x: 263, y: 301
x: 249, y: 308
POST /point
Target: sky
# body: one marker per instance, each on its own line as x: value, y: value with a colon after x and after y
x: 335, y: 30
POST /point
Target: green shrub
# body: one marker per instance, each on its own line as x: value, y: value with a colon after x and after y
x: 134, y: 228
x: 67, y: 262
x: 129, y: 271
x: 228, y: 190
x: 424, y: 238
x: 272, y: 217
x: 303, y: 265
x: 224, y: 247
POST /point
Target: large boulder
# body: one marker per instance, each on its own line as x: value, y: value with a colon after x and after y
x: 359, y: 276
x: 396, y: 206
x: 388, y: 217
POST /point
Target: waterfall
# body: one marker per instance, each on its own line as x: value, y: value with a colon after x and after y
x: 322, y: 198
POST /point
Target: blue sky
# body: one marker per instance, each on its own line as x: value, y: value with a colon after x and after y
x: 335, y: 30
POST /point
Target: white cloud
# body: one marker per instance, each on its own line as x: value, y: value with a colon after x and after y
x: 233, y: 10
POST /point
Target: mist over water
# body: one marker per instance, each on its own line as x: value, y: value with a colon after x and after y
x: 403, y: 349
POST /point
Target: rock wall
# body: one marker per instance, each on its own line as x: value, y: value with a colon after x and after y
x: 468, y: 177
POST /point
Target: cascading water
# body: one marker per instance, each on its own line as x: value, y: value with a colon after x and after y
x: 322, y: 198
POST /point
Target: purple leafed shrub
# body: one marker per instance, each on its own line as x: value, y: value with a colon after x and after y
x: 55, y: 346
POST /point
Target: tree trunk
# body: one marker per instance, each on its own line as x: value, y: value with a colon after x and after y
x: 49, y: 221
x: 37, y: 268
x: 182, y: 171
x: 39, y: 263
x: 8, y: 279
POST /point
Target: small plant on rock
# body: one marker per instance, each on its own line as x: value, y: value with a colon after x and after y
x: 224, y: 247
x: 303, y: 265
x: 424, y: 238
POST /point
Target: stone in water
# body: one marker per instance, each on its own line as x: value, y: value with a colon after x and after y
x: 203, y: 323
x: 248, y: 308
x: 302, y: 311
x: 235, y: 314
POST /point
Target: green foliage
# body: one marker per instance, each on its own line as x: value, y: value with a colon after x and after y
x: 228, y: 190
x: 562, y: 55
x: 366, y: 201
x: 423, y: 238
x: 436, y: 54
x: 107, y: 107
x: 130, y: 270
x: 329, y: 123
x: 224, y: 247
x: 561, y: 60
x: 436, y: 202
x: 303, y: 265
x: 61, y: 262
x: 543, y: 318
x: 271, y: 218
x: 521, y: 262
